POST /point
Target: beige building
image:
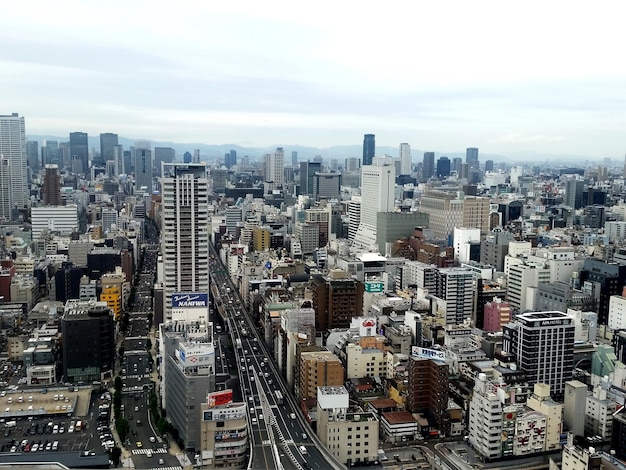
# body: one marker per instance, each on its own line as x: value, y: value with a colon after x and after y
x: 540, y: 401
x: 318, y: 369
x: 365, y: 362
x: 447, y: 210
x: 350, y: 435
x: 224, y: 436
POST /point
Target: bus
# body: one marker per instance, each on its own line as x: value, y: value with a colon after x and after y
x: 238, y: 343
x: 279, y: 397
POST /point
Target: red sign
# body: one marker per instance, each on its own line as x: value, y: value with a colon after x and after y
x: 369, y: 323
x: 222, y: 397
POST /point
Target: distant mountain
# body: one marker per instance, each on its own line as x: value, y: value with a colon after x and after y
x: 210, y: 152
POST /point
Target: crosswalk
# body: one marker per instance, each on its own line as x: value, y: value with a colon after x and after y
x: 160, y: 450
x: 167, y: 468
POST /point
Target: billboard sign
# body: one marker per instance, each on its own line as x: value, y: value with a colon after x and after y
x: 190, y: 299
x: 223, y: 397
x: 428, y: 353
x: 377, y: 286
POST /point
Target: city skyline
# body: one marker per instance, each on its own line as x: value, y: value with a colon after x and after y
x: 442, y: 77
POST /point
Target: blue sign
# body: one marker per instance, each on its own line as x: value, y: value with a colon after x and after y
x: 193, y: 299
x: 268, y: 265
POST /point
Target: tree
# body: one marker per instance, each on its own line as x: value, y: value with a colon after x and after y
x: 149, y: 344
x: 118, y: 383
x: 123, y: 426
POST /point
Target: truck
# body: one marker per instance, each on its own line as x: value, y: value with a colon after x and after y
x: 10, y: 424
x: 238, y: 343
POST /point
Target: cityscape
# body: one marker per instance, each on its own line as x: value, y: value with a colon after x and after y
x: 179, y: 309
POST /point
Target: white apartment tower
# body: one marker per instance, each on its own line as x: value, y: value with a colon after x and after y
x: 13, y: 148
x: 405, y: 159
x: 185, y: 229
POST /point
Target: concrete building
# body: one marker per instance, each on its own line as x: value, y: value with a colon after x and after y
x: 406, y: 162
x: 57, y: 219
x: 428, y: 390
x: 350, y: 435
x: 540, y: 401
x: 51, y: 190
x: 575, y: 401
x: 188, y: 371
x: 543, y: 345
x: 13, y: 149
x: 274, y: 170
x: 365, y: 362
x: 457, y: 289
x: 318, y: 369
x: 497, y: 314
x: 224, y: 438
x: 336, y: 299
x: 143, y: 171
x: 464, y: 240
x: 617, y: 312
x: 185, y: 231
x: 449, y: 210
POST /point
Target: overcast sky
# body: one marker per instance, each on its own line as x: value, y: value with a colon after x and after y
x: 507, y: 77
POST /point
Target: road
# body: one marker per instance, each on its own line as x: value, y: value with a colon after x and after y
x: 281, y: 438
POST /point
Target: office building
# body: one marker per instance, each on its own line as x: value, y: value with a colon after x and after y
x: 108, y: 141
x: 471, y: 157
x: 143, y: 171
x: 443, y: 167
x: 51, y: 191
x: 351, y: 435
x: 185, y: 230
x: 608, y: 279
x: 274, y: 170
x: 327, y: 186
x: 574, y: 193
x: 449, y: 210
x: 488, y: 165
x: 307, y: 174
x: 317, y: 369
x: 88, y: 341
x: 369, y: 149
x: 162, y: 155
x: 294, y: 159
x: 456, y: 287
x: 230, y: 159
x: 188, y: 368
x: 13, y: 148
x: 543, y: 345
x: 6, y: 212
x: 79, y: 152
x: 224, y: 439
x: 32, y: 155
x: 406, y: 162
x: 54, y: 219
x: 428, y: 165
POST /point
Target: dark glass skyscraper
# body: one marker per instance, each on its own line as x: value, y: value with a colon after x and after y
x: 307, y: 172
x: 369, y: 148
x: 79, y: 150
x: 471, y: 157
x: 443, y: 167
x: 108, y: 142
x: 428, y: 170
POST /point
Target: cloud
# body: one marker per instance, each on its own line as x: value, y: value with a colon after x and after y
x: 514, y: 138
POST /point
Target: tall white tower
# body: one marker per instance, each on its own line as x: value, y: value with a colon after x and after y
x: 405, y: 159
x: 274, y: 170
x: 185, y: 229
x: 13, y: 148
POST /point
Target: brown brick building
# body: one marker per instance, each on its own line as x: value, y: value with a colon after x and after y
x: 336, y: 301
x: 429, y: 390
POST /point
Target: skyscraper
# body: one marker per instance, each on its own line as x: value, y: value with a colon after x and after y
x: 13, y: 148
x: 294, y: 159
x: 307, y: 172
x: 489, y: 165
x: 108, y: 142
x: 274, y: 165
x: 185, y: 222
x: 143, y: 169
x: 51, y: 191
x: 162, y: 155
x: 471, y: 157
x: 406, y: 162
x: 79, y: 151
x: 443, y: 167
x: 369, y: 148
x: 32, y: 155
x: 428, y: 170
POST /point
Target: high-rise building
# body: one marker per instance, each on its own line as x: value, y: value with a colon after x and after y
x: 447, y: 211
x: 574, y: 193
x: 489, y: 165
x: 406, y: 162
x: 543, y: 345
x: 428, y: 166
x: 457, y: 291
x: 327, y: 186
x: 471, y: 157
x: 429, y: 390
x: 162, y: 155
x: 232, y: 159
x: 13, y: 148
x: 336, y: 301
x: 32, y: 155
x: 294, y: 159
x: 79, y: 151
x: 108, y: 141
x: 51, y: 191
x: 352, y: 164
x: 443, y: 167
x: 185, y: 230
x: 143, y: 169
x: 369, y: 148
x: 307, y: 174
x: 5, y: 188
x: 274, y: 165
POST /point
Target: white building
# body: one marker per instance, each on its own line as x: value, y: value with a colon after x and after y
x: 13, y: 148
x: 617, y: 312
x: 185, y: 231
x: 405, y: 159
x: 274, y: 165
x: 463, y: 239
x: 59, y: 219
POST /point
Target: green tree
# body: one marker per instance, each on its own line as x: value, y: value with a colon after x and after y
x: 123, y: 427
x: 118, y: 383
x: 149, y: 344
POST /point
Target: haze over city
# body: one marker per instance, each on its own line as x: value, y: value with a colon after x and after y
x: 541, y: 78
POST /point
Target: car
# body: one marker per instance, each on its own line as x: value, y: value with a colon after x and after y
x: 139, y: 444
x: 161, y: 462
x: 304, y: 436
x: 292, y: 416
x: 136, y: 408
x: 152, y: 439
x: 149, y: 453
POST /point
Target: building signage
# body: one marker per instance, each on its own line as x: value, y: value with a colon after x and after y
x: 193, y: 300
x: 428, y: 353
x: 223, y: 397
x: 374, y: 286
x: 459, y: 332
